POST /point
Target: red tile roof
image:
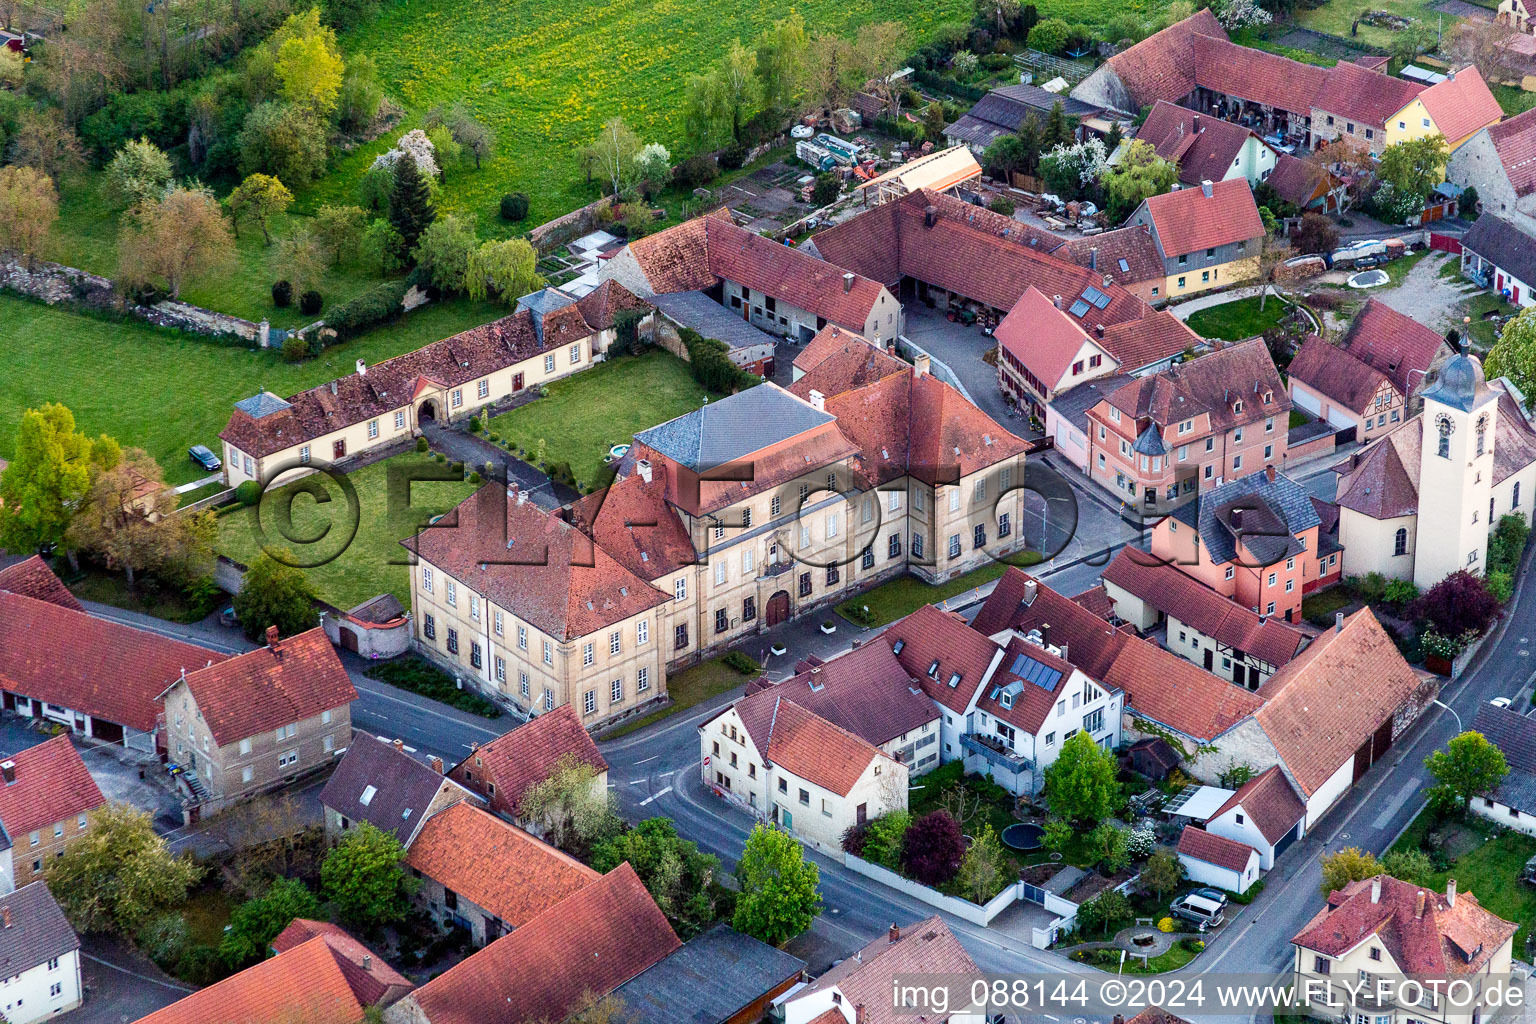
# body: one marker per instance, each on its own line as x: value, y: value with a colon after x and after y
x: 527, y: 756
x: 1333, y: 697
x: 1256, y: 76
x: 537, y: 566
x: 1396, y: 344
x: 1270, y: 803
x: 52, y: 785
x: 1041, y: 336
x: 1382, y: 479
x: 32, y: 578
x: 592, y: 941
x: 842, y: 362
x: 1096, y: 599
x: 1104, y: 253
x: 1296, y: 180
x: 1204, y: 147
x: 1213, y: 849
x: 865, y: 978
x: 1162, y: 66
x: 1029, y: 703
x: 1424, y: 932
x: 1515, y: 142
x: 1461, y: 104
x: 599, y: 306
x: 1325, y: 367
x: 804, y: 743
x: 371, y: 978
x: 1369, y: 97
x: 74, y: 660
x: 498, y: 867
x: 1155, y: 337
x: 1193, y: 603
x: 865, y: 691
x: 1188, y: 220
x: 307, y: 983
x: 1211, y: 385
x: 637, y: 523
x: 285, y: 682
x: 936, y: 646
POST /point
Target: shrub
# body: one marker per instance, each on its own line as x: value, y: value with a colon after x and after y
x: 1166, y: 925
x: 474, y: 424
x: 474, y: 478
x: 421, y: 444
x: 855, y: 837
x: 295, y: 349
x: 1501, y: 585
x: 1192, y: 945
x: 514, y: 206
x: 698, y: 170
x: 932, y: 849
x: 201, y: 965
x: 884, y: 839
x: 282, y: 294
x: 1057, y: 835
x: 1002, y: 205
x: 376, y: 306
x: 163, y: 938
x: 743, y: 663
x: 1400, y: 592
x: 1458, y: 604
x: 732, y: 157
x: 249, y: 493
x: 310, y: 302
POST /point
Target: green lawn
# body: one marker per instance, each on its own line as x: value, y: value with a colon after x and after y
x: 1483, y: 332
x: 1322, y: 605
x: 197, y: 494
x: 164, y: 390
x: 1398, y: 269
x: 1491, y: 871
x: 687, y: 688
x: 585, y: 414
x: 1337, y: 16
x: 1513, y: 100
x: 1238, y: 319
x: 373, y: 562
x: 906, y: 594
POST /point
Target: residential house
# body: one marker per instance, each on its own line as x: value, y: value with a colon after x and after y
x: 591, y: 942
x: 504, y: 769
x: 378, y: 781
x: 1257, y: 541
x: 774, y: 287
x: 952, y: 666
x: 1066, y: 418
x: 1211, y: 859
x: 1517, y: 15
x: 47, y: 800
x: 1202, y: 626
x: 384, y: 405
x: 1126, y: 256
x: 1158, y: 440
x: 1359, y: 104
x: 487, y: 877
x: 320, y: 980
x: 1206, y: 148
x: 1500, y: 162
x: 1002, y: 112
x: 858, y: 989
x: 1265, y: 813
x: 41, y: 953
x: 719, y: 976
x: 1513, y: 803
x: 259, y: 720
x: 1455, y: 108
x: 1209, y: 237
x: 1502, y: 257
x: 1383, y: 927
x: 374, y: 982
x: 1472, y: 446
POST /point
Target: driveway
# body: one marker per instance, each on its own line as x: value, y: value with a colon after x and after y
x: 1424, y: 295
x: 115, y: 769
x: 475, y: 452
x: 960, y: 347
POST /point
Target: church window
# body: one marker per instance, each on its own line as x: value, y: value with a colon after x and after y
x: 1400, y: 545
x: 1482, y: 434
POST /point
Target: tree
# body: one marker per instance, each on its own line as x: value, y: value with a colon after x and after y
x: 1071, y: 171
x: 339, y: 230
x: 1469, y: 766
x: 299, y: 259
x: 126, y: 520
x: 509, y: 269
x: 593, y: 1008
x: 260, y: 196
x: 569, y: 807
x: 1083, y: 783
x: 1348, y: 865
x: 831, y: 71
x: 683, y: 881
x: 933, y: 848
x: 45, y: 141
x: 1002, y: 11
x: 1099, y: 914
x: 364, y: 876
x: 1238, y: 14
x: 274, y: 594
x: 934, y: 121
x: 449, y: 152
x: 29, y: 205
x: 781, y: 62
x: 653, y: 164
x: 1161, y: 873
x: 1413, y: 40
x: 283, y: 140
x: 1050, y: 35
x: 1514, y: 354
x: 984, y: 868
x: 1272, y: 253
x: 307, y: 63
x: 1488, y: 45
x: 140, y: 172
x: 444, y: 250
x: 778, y: 896
x: 614, y: 152
x: 410, y: 204
x: 119, y: 873
x: 374, y: 187
x: 474, y: 136
x: 1412, y: 866
x: 383, y: 245
x: 1139, y: 174
x: 1056, y: 131
x: 719, y: 101
x: 1316, y: 234
x: 183, y: 235
x: 254, y: 924
x: 1416, y: 166
x: 12, y: 65
x: 48, y: 476
x: 1458, y: 604
x: 826, y: 189
x: 1004, y: 156
x: 881, y: 47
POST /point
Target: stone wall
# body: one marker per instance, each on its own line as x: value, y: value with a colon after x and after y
x: 554, y: 233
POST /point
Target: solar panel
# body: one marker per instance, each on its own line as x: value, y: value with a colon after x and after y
x: 1096, y: 297
x: 1028, y: 668
x: 1079, y: 308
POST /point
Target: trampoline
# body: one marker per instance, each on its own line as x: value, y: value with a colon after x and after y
x: 1022, y: 836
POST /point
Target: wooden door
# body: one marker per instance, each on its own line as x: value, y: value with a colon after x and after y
x: 778, y: 608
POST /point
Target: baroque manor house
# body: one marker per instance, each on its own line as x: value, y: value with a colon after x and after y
x: 722, y: 522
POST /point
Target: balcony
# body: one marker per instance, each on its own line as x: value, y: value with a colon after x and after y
x: 772, y: 570
x: 995, y: 751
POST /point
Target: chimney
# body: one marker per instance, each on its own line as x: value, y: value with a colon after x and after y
x: 930, y: 216
x: 1045, y: 634
x: 895, y: 932
x: 522, y: 497
x: 1093, y: 258
x: 1056, y: 301
x: 399, y: 746
x: 8, y: 770
x: 1196, y: 124
x: 1418, y: 911
x: 922, y: 365
x: 272, y: 637
x: 643, y: 467
x: 858, y: 1014
x: 1205, y: 188
x: 367, y: 962
x: 1237, y: 519
x: 436, y: 763
x: 1338, y: 622
x: 333, y: 387
x: 847, y: 283
x: 1450, y: 892
x: 1376, y: 889
x: 5, y: 915
x: 362, y: 368
x: 1031, y: 589
x: 1269, y: 473
x: 818, y: 400
x: 1119, y: 1019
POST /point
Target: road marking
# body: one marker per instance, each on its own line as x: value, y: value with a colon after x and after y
x: 638, y: 782
x: 1395, y: 804
x: 645, y: 759
x: 655, y: 795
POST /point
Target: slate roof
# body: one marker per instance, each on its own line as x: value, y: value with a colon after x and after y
x: 715, y: 975
x: 1105, y: 253
x: 1204, y: 147
x: 1503, y: 244
x: 592, y: 941
x: 712, y: 320
x: 865, y: 691
x: 284, y: 682
x: 32, y: 578
x: 1444, y: 938
x: 926, y: 947
x: 1001, y: 111
x: 1515, y: 735
x: 1349, y: 381
x: 1211, y: 385
x: 1333, y: 696
x: 1461, y: 104
x: 1167, y: 589
x: 36, y: 930
x: 1188, y: 220
x: 527, y: 756
x: 1073, y: 405
x: 52, y: 785
x: 733, y: 428
x: 306, y: 983
x: 1162, y: 66
x: 403, y: 787
x: 75, y: 660
x: 1269, y: 802
x: 533, y: 564
x: 1396, y: 344
x: 1273, y: 512
x: 803, y: 743
x: 1213, y: 849
x: 936, y: 646
x: 372, y: 979
x: 1515, y: 142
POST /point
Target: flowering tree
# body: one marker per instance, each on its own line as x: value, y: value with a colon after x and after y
x: 420, y: 149
x: 1070, y: 168
x: 1235, y: 14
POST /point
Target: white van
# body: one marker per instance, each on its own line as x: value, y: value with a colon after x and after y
x: 1198, y: 910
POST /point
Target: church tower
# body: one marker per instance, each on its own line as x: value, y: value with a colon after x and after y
x: 1455, y: 472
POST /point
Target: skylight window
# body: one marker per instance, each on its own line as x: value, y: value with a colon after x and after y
x: 368, y: 794
x: 933, y: 670
x: 1125, y: 268
x: 954, y: 680
x: 1079, y: 308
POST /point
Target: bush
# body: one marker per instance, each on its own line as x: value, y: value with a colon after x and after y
x: 697, y: 171
x: 295, y: 349
x: 421, y: 444
x: 514, y: 206
x: 201, y: 965
x: 1501, y: 585
x: 884, y: 838
x: 163, y: 938
x: 1002, y: 205
x: 743, y: 663
x: 282, y: 294
x: 1458, y: 604
x: 373, y: 307
x: 1192, y: 945
x: 711, y: 364
x: 411, y: 673
x: 249, y: 493
x: 732, y: 157
x: 1400, y: 592
x: 474, y: 478
x: 1245, y: 898
x: 1166, y: 925
x: 310, y: 303
x: 932, y: 848
x: 474, y: 424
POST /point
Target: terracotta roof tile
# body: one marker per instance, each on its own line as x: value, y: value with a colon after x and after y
x: 32, y: 578
x: 1024, y: 702
x: 1204, y: 147
x: 1213, y: 849
x: 1269, y: 802
x: 1096, y: 599
x: 637, y: 523
x: 527, y: 756
x: 306, y: 983
x: 592, y: 941
x: 1296, y: 180
x: 1369, y: 97
x: 1104, y: 254
x: 1162, y: 66
x: 1041, y: 336
x: 936, y: 646
x: 1382, y: 479
x: 804, y: 743
x: 1159, y: 335
x: 1256, y: 75
x: 1211, y: 385
x: 1188, y: 220
x: 865, y: 691
x: 371, y: 978
x: 1461, y: 104
x: 1397, y: 345
x: 842, y: 362
x: 52, y: 785
x: 1515, y: 142
x: 1349, y: 381
x: 599, y: 306
x: 926, y: 947
x: 288, y: 681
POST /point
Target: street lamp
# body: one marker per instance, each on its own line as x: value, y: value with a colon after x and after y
x: 1452, y: 710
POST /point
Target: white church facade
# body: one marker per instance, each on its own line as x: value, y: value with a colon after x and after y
x: 1419, y: 502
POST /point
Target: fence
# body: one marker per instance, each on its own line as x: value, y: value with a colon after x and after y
x: 976, y: 913
x: 1044, y: 65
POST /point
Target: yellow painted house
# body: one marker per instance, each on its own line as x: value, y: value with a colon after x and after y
x: 1457, y: 108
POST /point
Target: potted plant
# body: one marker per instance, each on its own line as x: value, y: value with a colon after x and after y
x: 779, y: 650
x: 828, y: 626
x: 1439, y: 651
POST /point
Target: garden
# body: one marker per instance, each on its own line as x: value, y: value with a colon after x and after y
x: 419, y: 677
x: 887, y: 602
x: 695, y: 685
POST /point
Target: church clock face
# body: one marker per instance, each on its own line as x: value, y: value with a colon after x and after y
x: 1444, y: 424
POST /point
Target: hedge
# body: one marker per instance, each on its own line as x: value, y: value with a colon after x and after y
x: 711, y: 363
x: 373, y: 307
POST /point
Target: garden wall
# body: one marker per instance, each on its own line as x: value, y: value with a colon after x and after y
x: 981, y: 914
x: 909, y: 350
x: 554, y: 233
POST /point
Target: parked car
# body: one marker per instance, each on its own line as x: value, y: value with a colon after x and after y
x: 1500, y: 702
x: 205, y: 458
x: 1215, y: 895
x: 1197, y: 910
x: 227, y: 617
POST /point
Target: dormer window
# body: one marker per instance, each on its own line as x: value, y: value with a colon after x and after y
x: 1006, y: 700
x: 1237, y: 406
